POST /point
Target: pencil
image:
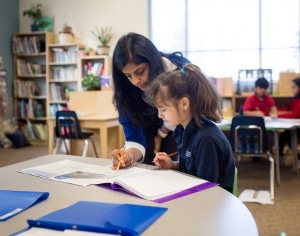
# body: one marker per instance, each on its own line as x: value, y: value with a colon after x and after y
x: 122, y: 155
x: 172, y: 154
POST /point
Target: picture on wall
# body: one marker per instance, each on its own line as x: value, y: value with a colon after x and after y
x: 46, y: 23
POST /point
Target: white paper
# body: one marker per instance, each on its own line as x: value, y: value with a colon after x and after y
x: 49, y: 232
x: 74, y: 172
x: 259, y: 196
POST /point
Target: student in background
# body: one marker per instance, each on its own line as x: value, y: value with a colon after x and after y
x: 188, y: 100
x: 135, y: 63
x: 292, y: 113
x: 260, y: 103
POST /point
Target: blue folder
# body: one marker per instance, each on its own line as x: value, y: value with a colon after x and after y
x: 123, y: 219
x: 14, y: 202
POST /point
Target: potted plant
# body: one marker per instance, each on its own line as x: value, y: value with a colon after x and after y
x: 91, y: 82
x: 35, y: 14
x: 104, y: 35
x: 66, y: 35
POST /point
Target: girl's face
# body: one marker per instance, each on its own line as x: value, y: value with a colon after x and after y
x: 137, y: 74
x: 295, y: 89
x: 174, y: 115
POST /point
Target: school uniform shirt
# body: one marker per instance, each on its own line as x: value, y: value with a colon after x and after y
x: 252, y: 103
x: 294, y: 109
x: 206, y: 153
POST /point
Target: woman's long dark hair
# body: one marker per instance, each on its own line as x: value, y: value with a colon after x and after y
x: 128, y: 99
x: 297, y: 82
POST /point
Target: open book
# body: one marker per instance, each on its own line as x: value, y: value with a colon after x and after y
x: 156, y: 185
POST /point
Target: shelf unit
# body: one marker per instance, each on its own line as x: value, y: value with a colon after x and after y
x: 236, y: 101
x: 30, y: 94
x: 98, y: 65
x: 62, y: 75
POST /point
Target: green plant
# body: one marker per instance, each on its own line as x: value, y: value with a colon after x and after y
x: 91, y: 82
x: 104, y: 35
x: 34, y: 13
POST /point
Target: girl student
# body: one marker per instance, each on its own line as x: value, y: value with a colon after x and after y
x: 188, y: 100
x: 135, y: 63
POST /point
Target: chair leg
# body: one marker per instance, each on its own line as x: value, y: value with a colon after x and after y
x: 94, y: 147
x: 271, y: 177
x: 66, y: 146
x: 57, y: 145
x: 86, y: 145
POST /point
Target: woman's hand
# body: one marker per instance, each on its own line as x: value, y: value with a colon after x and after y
x: 162, y: 160
x: 121, y: 158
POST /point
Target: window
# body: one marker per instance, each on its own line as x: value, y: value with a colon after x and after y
x: 224, y: 36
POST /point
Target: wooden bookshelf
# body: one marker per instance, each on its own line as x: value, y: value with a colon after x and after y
x: 30, y: 94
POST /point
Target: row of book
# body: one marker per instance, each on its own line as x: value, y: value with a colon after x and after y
x: 26, y: 88
x: 29, y: 68
x: 63, y: 55
x: 57, y: 107
x: 59, y: 92
x: 64, y: 73
x: 94, y: 68
x: 30, y: 108
x: 35, y: 131
x: 26, y: 45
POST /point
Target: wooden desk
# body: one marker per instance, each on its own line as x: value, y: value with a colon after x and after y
x: 213, y: 212
x: 101, y: 123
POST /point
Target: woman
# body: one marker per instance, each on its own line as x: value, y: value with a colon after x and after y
x: 135, y: 63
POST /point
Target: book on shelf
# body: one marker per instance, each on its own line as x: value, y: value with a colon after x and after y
x: 155, y: 185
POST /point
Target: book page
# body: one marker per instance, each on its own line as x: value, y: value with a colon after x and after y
x: 74, y: 172
x: 154, y: 184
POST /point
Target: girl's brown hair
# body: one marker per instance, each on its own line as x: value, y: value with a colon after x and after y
x: 188, y: 82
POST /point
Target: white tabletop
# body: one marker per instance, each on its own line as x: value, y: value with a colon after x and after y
x: 211, y: 212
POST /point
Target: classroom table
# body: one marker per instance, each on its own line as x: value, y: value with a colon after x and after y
x: 213, y: 211
x: 100, y: 123
x: 276, y: 125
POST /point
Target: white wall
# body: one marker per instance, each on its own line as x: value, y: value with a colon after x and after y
x: 83, y: 15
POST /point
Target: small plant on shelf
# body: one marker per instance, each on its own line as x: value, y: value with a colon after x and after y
x: 91, y: 82
x: 104, y: 35
x: 35, y: 14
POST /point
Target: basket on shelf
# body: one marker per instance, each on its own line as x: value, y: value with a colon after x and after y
x: 284, y: 83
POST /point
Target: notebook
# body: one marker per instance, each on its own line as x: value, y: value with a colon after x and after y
x: 112, y: 218
x: 14, y: 202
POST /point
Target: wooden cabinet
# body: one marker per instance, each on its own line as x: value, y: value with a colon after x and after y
x: 30, y: 87
x: 62, y: 75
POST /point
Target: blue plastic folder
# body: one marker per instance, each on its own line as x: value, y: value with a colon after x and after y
x: 14, y: 202
x: 123, y: 219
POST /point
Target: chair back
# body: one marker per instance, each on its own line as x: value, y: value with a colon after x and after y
x: 248, y: 135
x: 67, y: 125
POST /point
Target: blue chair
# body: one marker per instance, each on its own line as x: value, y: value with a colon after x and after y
x: 248, y: 138
x: 68, y: 128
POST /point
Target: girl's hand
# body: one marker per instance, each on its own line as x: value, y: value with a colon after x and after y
x: 120, y: 159
x: 157, y: 143
x: 162, y: 160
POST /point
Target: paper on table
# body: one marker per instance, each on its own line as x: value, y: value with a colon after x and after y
x: 259, y: 196
x: 74, y: 172
x: 50, y: 232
